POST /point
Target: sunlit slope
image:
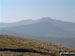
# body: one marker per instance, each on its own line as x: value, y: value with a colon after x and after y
x: 35, y: 47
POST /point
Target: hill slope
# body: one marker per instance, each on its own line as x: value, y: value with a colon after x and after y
x: 10, y: 45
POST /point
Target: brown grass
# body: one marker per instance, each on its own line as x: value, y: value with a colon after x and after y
x: 23, y: 43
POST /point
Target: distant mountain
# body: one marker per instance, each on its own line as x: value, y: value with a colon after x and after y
x: 45, y: 27
x: 23, y: 22
x: 7, y: 32
x: 42, y: 29
x: 68, y: 26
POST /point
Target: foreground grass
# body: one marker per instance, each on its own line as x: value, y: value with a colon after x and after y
x: 11, y: 42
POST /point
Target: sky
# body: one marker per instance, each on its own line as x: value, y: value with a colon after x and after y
x: 16, y: 10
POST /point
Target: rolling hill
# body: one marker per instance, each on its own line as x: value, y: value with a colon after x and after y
x: 19, y: 46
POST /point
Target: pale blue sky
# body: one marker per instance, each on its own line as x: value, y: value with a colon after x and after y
x: 16, y: 10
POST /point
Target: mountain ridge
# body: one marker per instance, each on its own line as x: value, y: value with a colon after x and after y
x: 44, y: 29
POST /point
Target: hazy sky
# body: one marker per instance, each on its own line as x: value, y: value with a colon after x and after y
x: 16, y: 10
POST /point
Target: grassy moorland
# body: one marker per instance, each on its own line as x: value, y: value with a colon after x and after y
x: 18, y: 46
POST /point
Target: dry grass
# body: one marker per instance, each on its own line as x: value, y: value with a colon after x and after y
x: 23, y: 43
